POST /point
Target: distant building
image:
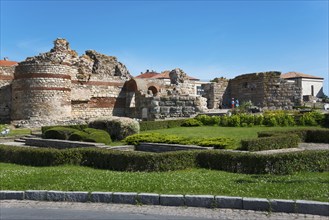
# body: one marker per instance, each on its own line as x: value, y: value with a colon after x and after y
x: 310, y: 85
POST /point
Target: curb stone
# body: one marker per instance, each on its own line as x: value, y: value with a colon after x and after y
x: 7, y: 194
x: 228, y: 202
x: 149, y: 198
x: 39, y: 195
x: 282, y: 205
x: 103, y: 197
x: 125, y: 198
x: 312, y: 207
x: 205, y: 201
x: 172, y: 200
x: 256, y: 204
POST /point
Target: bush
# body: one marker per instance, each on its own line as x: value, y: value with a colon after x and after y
x: 154, y: 125
x: 191, y: 122
x: 62, y: 133
x: 118, y: 127
x: 283, y: 163
x: 218, y: 143
x: 208, y: 120
x: 77, y: 127
x: 305, y: 135
x: 270, y: 143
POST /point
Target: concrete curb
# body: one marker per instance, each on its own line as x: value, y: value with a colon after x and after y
x: 205, y: 201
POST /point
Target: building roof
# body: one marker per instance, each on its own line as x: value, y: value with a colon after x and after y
x: 293, y: 75
x: 147, y: 75
x: 162, y: 75
x: 8, y: 63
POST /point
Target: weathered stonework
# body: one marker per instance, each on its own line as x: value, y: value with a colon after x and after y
x: 214, y: 92
x: 6, y: 78
x: 264, y: 89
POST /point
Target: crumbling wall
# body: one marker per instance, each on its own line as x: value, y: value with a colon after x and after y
x: 41, y: 92
x: 6, y: 78
x: 166, y: 107
x: 214, y: 93
x: 264, y: 89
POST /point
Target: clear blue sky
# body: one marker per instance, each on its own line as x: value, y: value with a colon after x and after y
x: 206, y: 39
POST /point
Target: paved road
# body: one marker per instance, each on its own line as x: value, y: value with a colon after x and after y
x: 13, y: 209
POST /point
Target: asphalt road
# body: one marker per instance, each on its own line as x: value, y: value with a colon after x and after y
x: 27, y: 210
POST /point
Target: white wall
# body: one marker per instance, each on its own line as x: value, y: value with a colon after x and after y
x: 317, y: 85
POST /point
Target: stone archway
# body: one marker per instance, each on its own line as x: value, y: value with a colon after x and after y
x: 153, y: 89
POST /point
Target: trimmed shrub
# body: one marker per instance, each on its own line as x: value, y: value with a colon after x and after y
x: 62, y: 133
x: 284, y: 163
x: 218, y: 143
x: 270, y: 143
x: 305, y: 135
x: 78, y: 127
x: 154, y: 125
x: 191, y: 122
x: 117, y: 127
x: 97, y: 136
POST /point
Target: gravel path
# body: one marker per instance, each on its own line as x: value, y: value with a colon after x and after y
x: 178, y: 212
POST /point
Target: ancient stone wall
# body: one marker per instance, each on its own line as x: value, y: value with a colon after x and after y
x: 173, y: 107
x: 264, y: 89
x: 41, y: 91
x: 6, y: 78
x: 214, y: 92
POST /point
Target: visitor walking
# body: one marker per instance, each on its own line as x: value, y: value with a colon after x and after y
x: 237, y: 104
x: 233, y: 102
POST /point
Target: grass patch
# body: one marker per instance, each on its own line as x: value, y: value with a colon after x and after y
x: 236, y: 133
x: 305, y: 186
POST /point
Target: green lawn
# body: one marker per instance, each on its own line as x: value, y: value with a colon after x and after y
x: 306, y: 186
x: 237, y: 133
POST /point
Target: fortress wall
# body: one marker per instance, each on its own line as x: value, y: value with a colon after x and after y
x: 98, y: 97
x: 264, y: 89
x: 6, y: 78
x: 41, y: 91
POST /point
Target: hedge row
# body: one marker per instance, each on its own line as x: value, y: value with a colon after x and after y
x: 305, y: 135
x: 272, y: 118
x: 87, y: 134
x: 270, y: 143
x: 217, y: 143
x: 284, y: 163
x: 154, y: 125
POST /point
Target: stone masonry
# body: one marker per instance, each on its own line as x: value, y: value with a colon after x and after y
x: 60, y: 87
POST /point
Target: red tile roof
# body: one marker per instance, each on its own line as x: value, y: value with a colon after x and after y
x: 292, y: 75
x: 7, y: 63
x: 147, y: 75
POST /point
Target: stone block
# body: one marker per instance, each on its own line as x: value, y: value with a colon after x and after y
x: 312, y: 207
x: 7, y: 194
x: 38, y: 195
x: 256, y: 204
x: 125, y: 198
x: 56, y: 196
x: 172, y: 200
x: 104, y: 197
x: 149, y: 198
x: 281, y: 205
x: 206, y: 201
x: 76, y: 196
x: 228, y: 202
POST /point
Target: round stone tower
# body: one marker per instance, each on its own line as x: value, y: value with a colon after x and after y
x: 41, y: 91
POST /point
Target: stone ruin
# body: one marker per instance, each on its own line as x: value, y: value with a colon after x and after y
x: 59, y: 87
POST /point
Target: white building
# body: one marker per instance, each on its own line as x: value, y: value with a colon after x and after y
x: 311, y: 85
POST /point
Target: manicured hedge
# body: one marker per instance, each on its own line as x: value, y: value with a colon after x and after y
x: 270, y: 143
x: 217, y: 143
x: 283, y: 163
x: 154, y: 125
x: 87, y: 134
x: 78, y: 127
x: 305, y: 135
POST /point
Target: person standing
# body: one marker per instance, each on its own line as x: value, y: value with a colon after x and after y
x: 237, y: 104
x: 233, y: 102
